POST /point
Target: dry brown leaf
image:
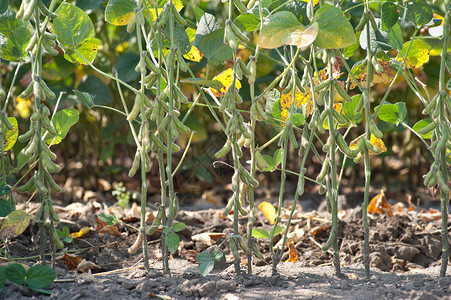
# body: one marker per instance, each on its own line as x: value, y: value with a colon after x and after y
x: 430, y: 216
x: 111, y: 230
x: 84, y: 266
x: 99, y: 224
x: 268, y: 210
x: 380, y: 205
x: 317, y: 230
x: 133, y: 214
x: 70, y: 261
x: 292, y: 254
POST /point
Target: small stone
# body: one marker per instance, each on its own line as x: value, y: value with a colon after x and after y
x: 381, y: 260
x: 224, y: 285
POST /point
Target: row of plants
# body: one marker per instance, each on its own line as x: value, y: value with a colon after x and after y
x: 322, y: 94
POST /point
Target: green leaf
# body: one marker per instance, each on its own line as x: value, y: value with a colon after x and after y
x: 394, y: 35
x: 276, y: 111
x: 388, y: 113
x: 107, y: 218
x: 260, y: 233
x: 205, y: 26
x: 11, y: 135
x: 9, y: 23
x: 297, y: 119
x: 3, y: 7
x: 423, y: 123
x: 247, y: 22
x: 270, y: 161
x: 216, y: 255
x: 84, y: 98
x: 211, y: 43
x: 2, y: 277
x: 125, y: 66
x: 198, y: 13
x: 349, y: 110
x: 350, y: 50
x: 448, y: 84
x: 14, y: 49
x: 178, y: 226
x: 15, y: 273
x: 277, y: 230
x: 389, y: 15
x: 203, y: 256
x: 277, y: 157
x: 419, y: 12
x: 119, y: 12
x: 216, y: 84
x: 402, y: 111
x: 63, y: 121
x: 97, y: 88
x: 4, y: 190
x: 88, y: 50
x: 40, y: 276
x: 206, y: 267
x: 203, y: 174
x: 5, y: 208
x: 88, y: 5
x: 172, y: 241
x: 335, y: 31
x: 72, y: 26
x: 277, y: 29
x: 14, y: 224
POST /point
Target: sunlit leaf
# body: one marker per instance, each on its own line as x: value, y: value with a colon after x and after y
x: 302, y: 100
x: 9, y: 22
x: 226, y: 78
x: 172, y: 241
x: 419, y: 12
x: 418, y: 54
x: 88, y: 49
x: 11, y: 135
x: 84, y: 231
x: 119, y: 12
x: 277, y: 29
x: 63, y: 121
x: 260, y: 233
x: 389, y: 15
x: 374, y: 141
x: 423, y: 123
x: 268, y: 210
x: 14, y: 224
x: 247, y: 22
x: 335, y: 31
x: 14, y: 49
x: 292, y: 254
x: 383, y: 78
x: 160, y: 4
x: 194, y: 54
x: 349, y: 110
x: 303, y: 38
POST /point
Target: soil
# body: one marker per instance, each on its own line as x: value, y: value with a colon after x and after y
x: 405, y: 255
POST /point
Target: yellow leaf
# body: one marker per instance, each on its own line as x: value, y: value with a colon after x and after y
x: 14, y: 224
x: 268, y: 210
x: 23, y: 107
x: 301, y: 99
x: 177, y: 3
x: 374, y: 141
x: 11, y: 135
x: 418, y: 54
x: 84, y: 231
x: 378, y: 143
x: 315, y: 2
x: 384, y: 78
x: 225, y: 78
x: 194, y: 54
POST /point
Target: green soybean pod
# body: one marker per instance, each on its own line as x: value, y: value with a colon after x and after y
x: 40, y: 185
x: 374, y: 130
x: 224, y: 150
x: 131, y: 23
x: 371, y: 147
x: 177, y: 16
x: 27, y: 187
x: 52, y: 213
x: 135, y: 164
x: 156, y: 223
x: 49, y: 180
x: 428, y: 128
x: 54, y: 237
x: 331, y: 240
x: 27, y: 92
x: 229, y: 206
x: 442, y: 183
x: 135, y: 110
x: 324, y: 169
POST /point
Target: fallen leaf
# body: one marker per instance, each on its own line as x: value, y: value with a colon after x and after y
x: 317, y: 230
x: 380, y: 205
x: 85, y: 265
x: 207, y: 237
x: 133, y: 214
x: 268, y: 210
x: 111, y: 230
x: 99, y: 224
x: 84, y: 231
x: 292, y: 254
x: 429, y: 216
x: 293, y: 237
x: 71, y: 261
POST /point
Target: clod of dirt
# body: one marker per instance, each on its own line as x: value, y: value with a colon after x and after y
x: 381, y: 260
x: 406, y: 252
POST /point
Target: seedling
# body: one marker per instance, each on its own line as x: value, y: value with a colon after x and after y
x: 36, y: 277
